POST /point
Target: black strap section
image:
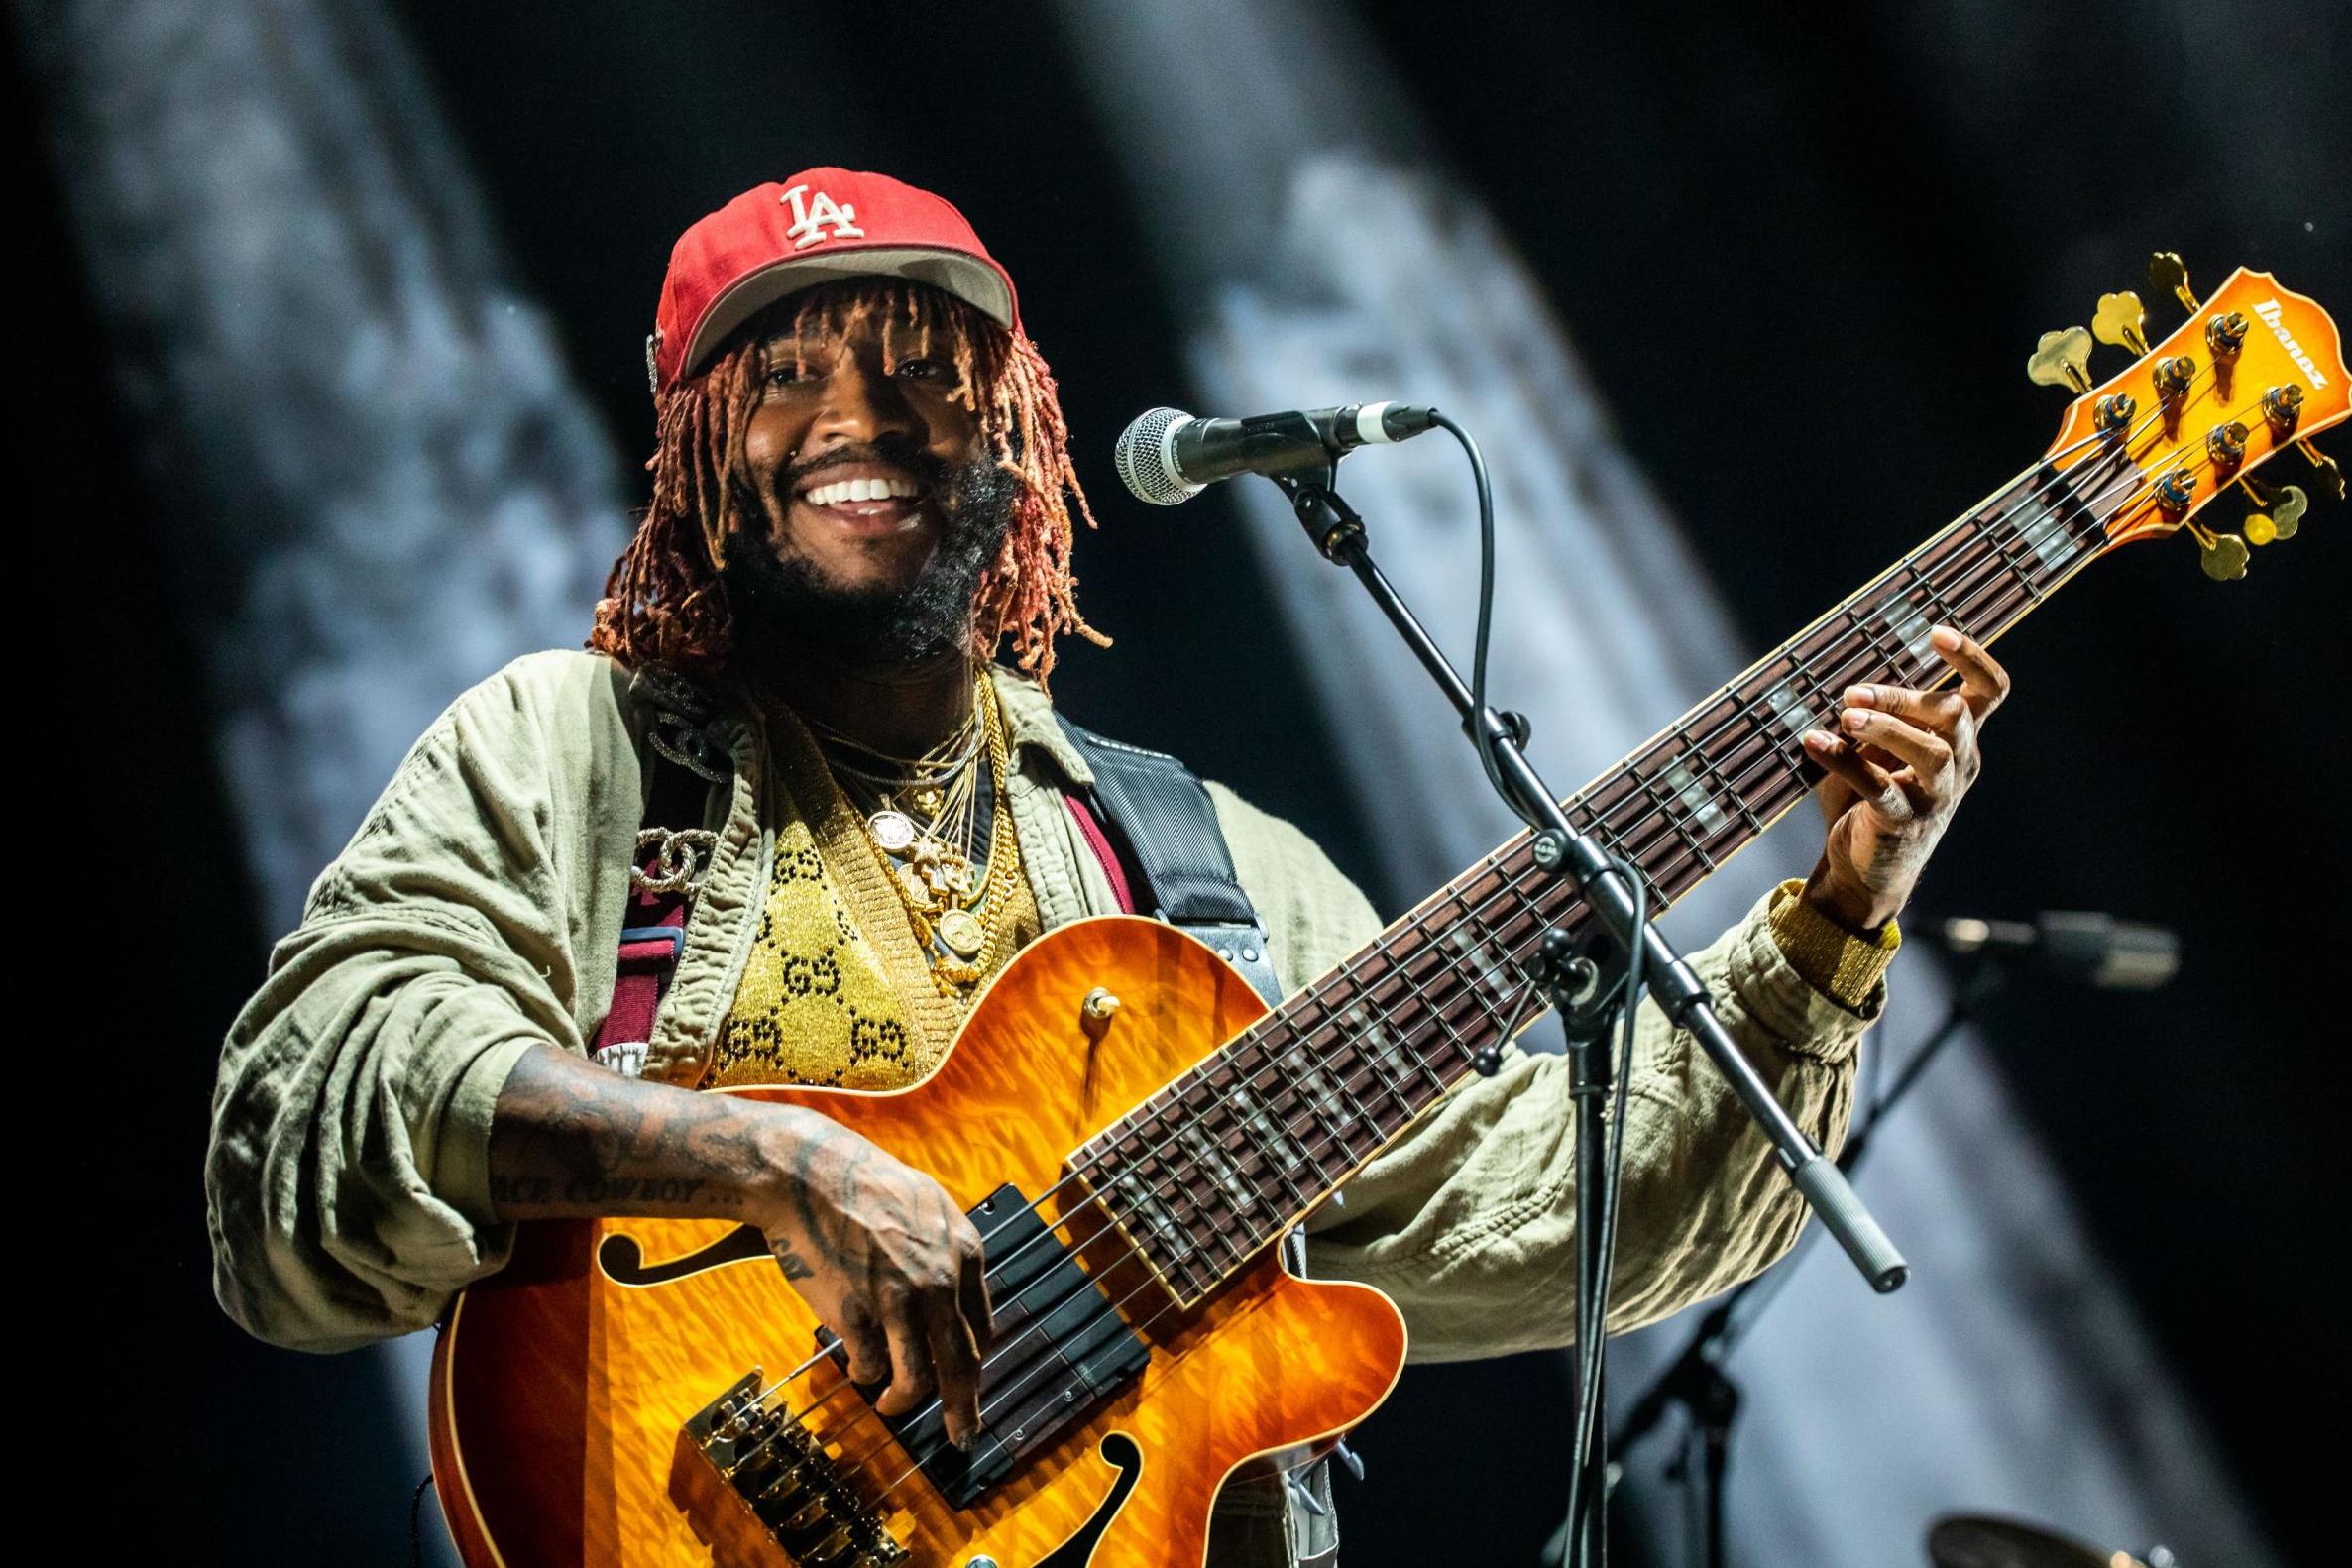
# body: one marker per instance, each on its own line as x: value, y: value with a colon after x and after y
x: 1161, y: 820
x: 675, y: 799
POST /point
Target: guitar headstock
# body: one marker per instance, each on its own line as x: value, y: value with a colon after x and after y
x: 2254, y: 370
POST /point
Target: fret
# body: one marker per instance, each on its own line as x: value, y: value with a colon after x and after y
x: 1161, y: 1226
x: 1330, y: 1090
x: 1379, y: 1049
x: 1313, y: 1090
x: 1726, y: 786
x: 2009, y: 544
x: 1481, y: 961
x: 1271, y: 1140
x: 1285, y: 1069
x: 1967, y: 563
x: 1692, y: 795
x: 1940, y: 611
x: 1211, y: 1156
x: 1789, y: 705
x: 1866, y: 626
x: 1909, y: 627
x: 1434, y: 1011
x: 1661, y: 805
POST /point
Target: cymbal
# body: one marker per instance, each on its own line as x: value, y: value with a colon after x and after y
x: 1973, y: 1541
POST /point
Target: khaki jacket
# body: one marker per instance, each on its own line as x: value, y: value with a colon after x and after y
x: 476, y: 913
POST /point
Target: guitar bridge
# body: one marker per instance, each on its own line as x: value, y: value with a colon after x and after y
x: 784, y: 1475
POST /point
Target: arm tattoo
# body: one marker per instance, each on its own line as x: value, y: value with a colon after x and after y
x: 570, y: 1139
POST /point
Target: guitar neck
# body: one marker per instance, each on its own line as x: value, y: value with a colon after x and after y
x: 1227, y: 1158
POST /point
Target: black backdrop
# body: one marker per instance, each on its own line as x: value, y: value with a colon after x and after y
x: 1805, y: 266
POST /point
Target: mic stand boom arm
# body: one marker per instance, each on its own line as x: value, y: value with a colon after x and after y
x: 1563, y: 849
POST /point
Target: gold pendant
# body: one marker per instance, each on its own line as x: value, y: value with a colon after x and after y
x: 945, y: 872
x: 917, y: 891
x: 894, y: 831
x: 964, y: 934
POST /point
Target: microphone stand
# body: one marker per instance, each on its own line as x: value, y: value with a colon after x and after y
x: 1580, y: 981
x: 1695, y: 1379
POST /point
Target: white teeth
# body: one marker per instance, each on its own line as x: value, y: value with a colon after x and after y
x: 842, y: 492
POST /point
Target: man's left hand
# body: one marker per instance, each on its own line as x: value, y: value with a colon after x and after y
x: 1896, y: 771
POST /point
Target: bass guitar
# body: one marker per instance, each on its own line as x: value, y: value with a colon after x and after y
x: 1133, y: 1131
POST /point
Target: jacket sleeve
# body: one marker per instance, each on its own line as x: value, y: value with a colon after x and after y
x: 347, y: 1178
x: 1468, y: 1222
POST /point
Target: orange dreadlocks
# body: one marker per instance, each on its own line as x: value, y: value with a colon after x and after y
x: 664, y: 603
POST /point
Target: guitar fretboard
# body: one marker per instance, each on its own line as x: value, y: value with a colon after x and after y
x: 1224, y: 1160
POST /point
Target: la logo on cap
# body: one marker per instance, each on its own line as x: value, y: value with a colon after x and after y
x: 811, y: 216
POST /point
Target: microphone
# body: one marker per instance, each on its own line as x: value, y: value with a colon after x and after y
x: 1169, y: 456
x: 2095, y: 950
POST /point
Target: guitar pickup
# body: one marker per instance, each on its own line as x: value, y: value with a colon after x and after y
x: 1060, y: 1349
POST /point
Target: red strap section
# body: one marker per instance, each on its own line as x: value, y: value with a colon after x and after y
x: 645, y: 968
x: 634, y: 997
x: 1099, y: 842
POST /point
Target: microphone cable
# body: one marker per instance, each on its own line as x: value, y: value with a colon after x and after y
x: 1593, y: 1334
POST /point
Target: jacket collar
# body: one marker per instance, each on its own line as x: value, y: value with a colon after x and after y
x: 1029, y: 726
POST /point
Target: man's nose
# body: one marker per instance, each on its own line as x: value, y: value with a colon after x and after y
x: 861, y: 404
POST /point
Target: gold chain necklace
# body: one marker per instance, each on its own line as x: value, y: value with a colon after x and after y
x: 954, y: 906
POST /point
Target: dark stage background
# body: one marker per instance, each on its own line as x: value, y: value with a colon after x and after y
x: 1804, y: 264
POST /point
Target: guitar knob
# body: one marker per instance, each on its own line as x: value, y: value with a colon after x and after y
x: 2176, y: 489
x: 2223, y: 556
x: 2058, y: 360
x: 2119, y: 321
x: 2228, y: 444
x: 2173, y: 375
x: 2112, y: 415
x: 2226, y: 335
x: 2283, y: 407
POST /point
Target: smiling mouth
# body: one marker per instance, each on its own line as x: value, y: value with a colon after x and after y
x: 863, y: 498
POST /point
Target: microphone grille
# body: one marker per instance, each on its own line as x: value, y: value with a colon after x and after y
x: 1146, y: 458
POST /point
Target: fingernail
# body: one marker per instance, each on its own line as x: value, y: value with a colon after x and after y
x: 1820, y: 737
x: 1945, y: 638
x: 1853, y: 721
x: 1861, y: 696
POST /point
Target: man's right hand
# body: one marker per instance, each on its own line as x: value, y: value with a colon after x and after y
x: 877, y: 1249
x: 888, y: 1263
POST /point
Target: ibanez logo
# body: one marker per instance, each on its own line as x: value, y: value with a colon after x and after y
x: 2269, y: 311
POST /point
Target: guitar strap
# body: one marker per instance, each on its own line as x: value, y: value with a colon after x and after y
x: 673, y: 852
x: 1158, y: 817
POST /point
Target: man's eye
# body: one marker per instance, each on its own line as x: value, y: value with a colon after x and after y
x: 922, y: 370
x: 786, y: 375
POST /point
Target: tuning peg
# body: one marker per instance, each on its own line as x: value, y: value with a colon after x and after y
x: 2332, y: 478
x: 2058, y: 360
x: 2165, y: 271
x: 2223, y: 556
x: 2119, y: 321
x: 2280, y: 521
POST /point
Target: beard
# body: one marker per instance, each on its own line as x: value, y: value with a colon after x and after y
x: 785, y: 603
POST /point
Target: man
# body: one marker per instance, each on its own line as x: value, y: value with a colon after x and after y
x: 861, y: 489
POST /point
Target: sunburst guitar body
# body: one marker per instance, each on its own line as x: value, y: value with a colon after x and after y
x: 564, y: 1388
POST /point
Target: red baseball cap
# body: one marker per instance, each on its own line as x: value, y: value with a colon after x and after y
x: 819, y: 225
